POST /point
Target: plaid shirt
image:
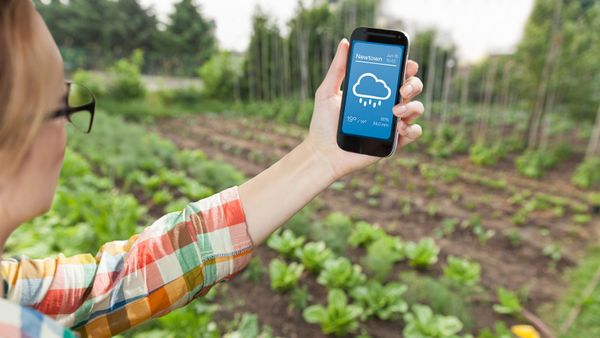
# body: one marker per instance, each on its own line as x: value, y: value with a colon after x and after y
x: 176, y: 259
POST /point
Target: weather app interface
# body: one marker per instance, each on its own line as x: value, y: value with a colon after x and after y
x: 372, y: 88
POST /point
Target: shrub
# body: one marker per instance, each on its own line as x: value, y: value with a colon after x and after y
x: 127, y: 81
x: 587, y: 174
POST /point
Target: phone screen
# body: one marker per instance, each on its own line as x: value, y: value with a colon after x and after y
x: 373, y: 82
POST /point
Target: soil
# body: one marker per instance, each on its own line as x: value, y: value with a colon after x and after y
x: 251, y: 145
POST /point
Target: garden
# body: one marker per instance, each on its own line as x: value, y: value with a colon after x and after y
x: 487, y: 227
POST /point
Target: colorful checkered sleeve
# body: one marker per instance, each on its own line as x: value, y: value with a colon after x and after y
x: 171, y: 262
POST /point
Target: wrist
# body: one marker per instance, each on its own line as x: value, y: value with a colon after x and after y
x: 317, y: 164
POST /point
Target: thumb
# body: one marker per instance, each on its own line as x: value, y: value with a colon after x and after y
x: 335, y: 75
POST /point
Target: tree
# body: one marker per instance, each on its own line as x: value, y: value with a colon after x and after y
x: 190, y: 36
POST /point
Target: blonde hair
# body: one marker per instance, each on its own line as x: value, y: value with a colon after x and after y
x: 22, y: 70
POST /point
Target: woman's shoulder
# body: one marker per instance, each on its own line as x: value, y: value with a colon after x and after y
x: 21, y: 321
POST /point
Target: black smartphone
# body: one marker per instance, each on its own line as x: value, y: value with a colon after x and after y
x: 374, y: 74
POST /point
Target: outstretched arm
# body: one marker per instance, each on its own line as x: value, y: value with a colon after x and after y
x: 273, y: 196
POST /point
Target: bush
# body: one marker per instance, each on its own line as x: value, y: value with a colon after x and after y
x: 534, y: 163
x: 127, y: 81
x: 587, y: 174
x: 91, y: 81
x: 218, y: 76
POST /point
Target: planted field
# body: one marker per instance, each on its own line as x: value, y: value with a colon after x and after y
x: 523, y: 233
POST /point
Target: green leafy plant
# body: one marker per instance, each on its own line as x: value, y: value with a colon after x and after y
x: 421, y: 322
x: 284, y: 277
x: 313, y: 255
x: 364, y: 233
x: 341, y: 273
x: 382, y: 301
x: 285, y: 242
x: 462, y: 271
x: 334, y: 231
x: 535, y: 163
x: 587, y: 174
x: 422, y: 254
x: 508, y: 302
x: 338, y: 318
x: 382, y: 254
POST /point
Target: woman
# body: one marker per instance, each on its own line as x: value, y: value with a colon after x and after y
x: 182, y: 254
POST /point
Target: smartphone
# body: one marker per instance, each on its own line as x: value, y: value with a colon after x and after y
x: 374, y: 74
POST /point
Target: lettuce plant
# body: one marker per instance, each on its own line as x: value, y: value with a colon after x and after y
x: 338, y: 318
x: 422, y: 254
x: 341, y: 273
x: 285, y: 242
x: 462, y: 271
x: 284, y: 277
x: 364, y: 233
x: 383, y: 301
x: 313, y: 255
x: 421, y: 322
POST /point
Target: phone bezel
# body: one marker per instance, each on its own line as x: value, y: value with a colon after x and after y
x: 362, y: 144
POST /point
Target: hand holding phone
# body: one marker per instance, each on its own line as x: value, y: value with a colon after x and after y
x: 324, y: 126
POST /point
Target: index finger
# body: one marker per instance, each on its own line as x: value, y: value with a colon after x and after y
x: 411, y: 68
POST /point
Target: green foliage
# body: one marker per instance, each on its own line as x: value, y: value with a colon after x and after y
x: 196, y: 320
x: 284, y: 277
x: 534, y: 163
x: 587, y: 174
x: 422, y: 254
x: 382, y: 254
x: 334, y: 231
x: 423, y: 323
x: 341, y: 273
x: 364, y: 233
x: 126, y: 82
x: 313, y: 255
x: 338, y: 318
x: 485, y: 154
x: 91, y: 81
x: 508, y: 302
x: 383, y: 301
x: 184, y: 97
x: 285, y: 242
x: 218, y: 75
x: 579, y: 280
x: 86, y: 211
x: 462, y: 271
x: 437, y: 294
x: 499, y: 331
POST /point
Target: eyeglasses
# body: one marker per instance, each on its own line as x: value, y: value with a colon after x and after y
x: 79, y: 107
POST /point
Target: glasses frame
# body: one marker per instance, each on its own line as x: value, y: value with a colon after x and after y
x: 67, y: 111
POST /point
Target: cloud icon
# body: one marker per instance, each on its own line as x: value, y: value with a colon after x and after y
x: 368, y: 86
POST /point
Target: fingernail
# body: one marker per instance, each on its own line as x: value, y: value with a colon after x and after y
x: 407, y: 90
x: 401, y: 110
